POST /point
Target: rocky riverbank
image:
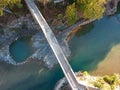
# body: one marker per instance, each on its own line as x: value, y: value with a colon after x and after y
x: 12, y: 32
x: 92, y: 82
x: 26, y: 26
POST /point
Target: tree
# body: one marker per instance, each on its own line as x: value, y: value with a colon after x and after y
x: 93, y: 9
x: 71, y: 14
x: 9, y: 3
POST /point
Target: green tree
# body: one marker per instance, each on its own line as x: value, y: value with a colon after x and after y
x: 93, y: 9
x: 71, y: 14
x: 10, y: 4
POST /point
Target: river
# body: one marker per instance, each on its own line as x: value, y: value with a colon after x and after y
x: 21, y: 49
x: 95, y: 46
x: 91, y: 51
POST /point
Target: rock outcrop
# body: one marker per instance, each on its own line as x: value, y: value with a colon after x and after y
x: 25, y: 26
x: 111, y: 7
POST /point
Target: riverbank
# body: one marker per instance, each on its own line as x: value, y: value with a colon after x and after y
x: 110, y: 64
x: 33, y: 78
x: 91, y: 82
x: 25, y: 26
x: 16, y: 29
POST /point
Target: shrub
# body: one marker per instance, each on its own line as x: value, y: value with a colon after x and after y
x: 98, y: 84
x: 10, y: 4
x: 60, y: 16
x: 112, y: 80
x: 71, y: 14
x: 85, y: 73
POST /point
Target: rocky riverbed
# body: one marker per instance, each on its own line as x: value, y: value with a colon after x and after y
x: 25, y: 26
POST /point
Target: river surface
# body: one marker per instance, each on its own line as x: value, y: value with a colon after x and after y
x: 92, y: 50
x: 21, y: 49
x: 100, y: 43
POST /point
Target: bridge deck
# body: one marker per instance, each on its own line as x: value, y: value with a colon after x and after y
x: 68, y: 72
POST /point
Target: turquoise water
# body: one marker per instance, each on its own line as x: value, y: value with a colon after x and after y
x: 34, y: 79
x: 31, y: 76
x: 21, y: 49
x: 88, y: 47
x: 92, y: 47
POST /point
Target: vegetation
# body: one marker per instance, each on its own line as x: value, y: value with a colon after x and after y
x: 108, y: 82
x: 112, y: 80
x: 90, y: 9
x: 60, y: 16
x: 10, y: 4
x: 93, y: 9
x: 85, y: 73
x: 98, y: 83
x: 71, y: 13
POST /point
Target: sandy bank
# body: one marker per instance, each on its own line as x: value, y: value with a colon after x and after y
x: 111, y: 63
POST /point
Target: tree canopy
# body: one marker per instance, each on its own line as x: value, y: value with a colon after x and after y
x: 9, y: 4
x: 90, y: 9
x: 93, y: 9
x: 71, y: 14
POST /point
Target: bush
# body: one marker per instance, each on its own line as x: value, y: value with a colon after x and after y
x: 108, y: 79
x: 112, y: 80
x: 10, y: 4
x: 85, y: 73
x: 60, y: 16
x: 98, y: 84
x: 93, y: 9
x: 71, y: 14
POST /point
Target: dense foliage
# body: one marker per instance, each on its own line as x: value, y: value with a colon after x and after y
x: 93, y: 9
x: 9, y: 3
x: 71, y: 14
x: 90, y: 9
x: 108, y: 82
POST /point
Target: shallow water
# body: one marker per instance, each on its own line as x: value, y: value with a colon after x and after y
x: 30, y: 76
x: 110, y: 64
x: 21, y: 49
x: 88, y: 51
